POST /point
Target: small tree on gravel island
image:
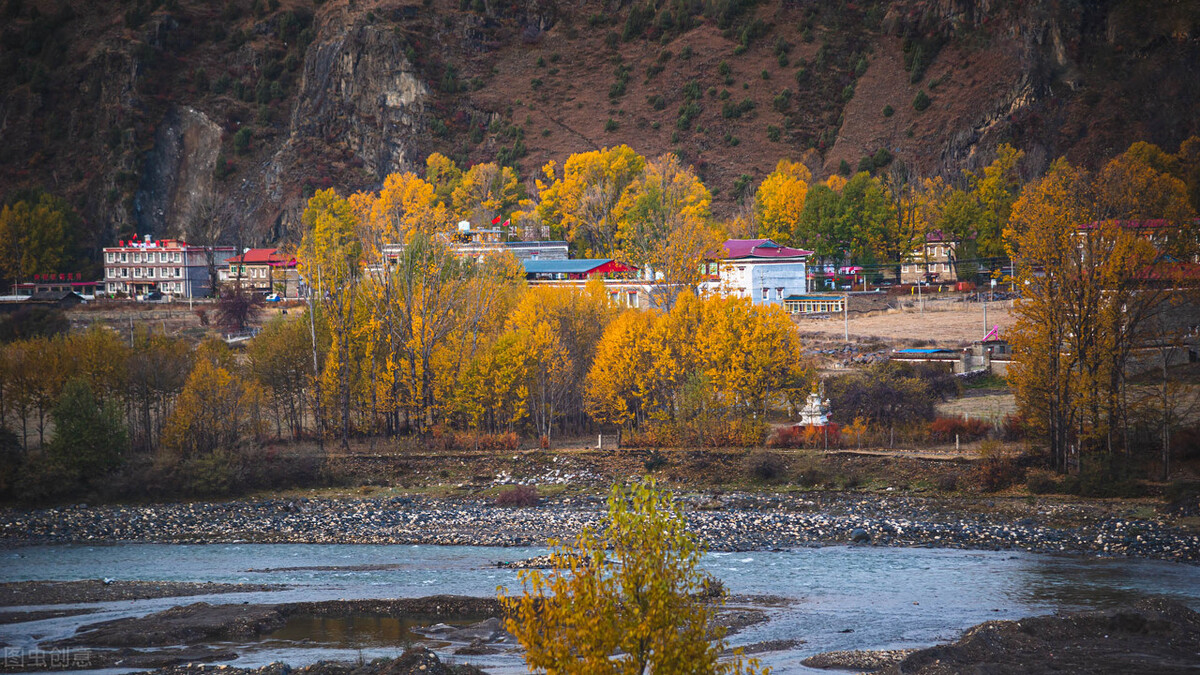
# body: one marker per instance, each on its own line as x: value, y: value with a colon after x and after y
x: 629, y: 600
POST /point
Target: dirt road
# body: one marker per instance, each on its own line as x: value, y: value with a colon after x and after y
x: 946, y: 324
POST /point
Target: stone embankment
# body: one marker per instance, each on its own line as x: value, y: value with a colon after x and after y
x: 726, y: 523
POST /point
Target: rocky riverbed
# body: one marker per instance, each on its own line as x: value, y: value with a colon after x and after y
x: 730, y: 522
x: 23, y: 593
x: 1151, y: 636
x: 212, y: 632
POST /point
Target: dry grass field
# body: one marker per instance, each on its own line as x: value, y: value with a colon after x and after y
x: 942, y: 324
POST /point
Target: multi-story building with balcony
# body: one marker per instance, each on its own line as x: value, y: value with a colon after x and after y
x: 169, y: 266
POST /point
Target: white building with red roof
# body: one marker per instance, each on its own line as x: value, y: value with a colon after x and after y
x: 758, y: 269
x: 169, y: 266
x: 265, y: 270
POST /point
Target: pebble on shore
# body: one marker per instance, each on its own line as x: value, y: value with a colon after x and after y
x: 741, y: 523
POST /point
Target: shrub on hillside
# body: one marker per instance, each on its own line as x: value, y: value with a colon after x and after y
x: 1041, y: 482
x: 996, y: 471
x: 945, y: 429
x: 655, y: 460
x: 921, y: 101
x: 765, y: 466
x: 518, y: 496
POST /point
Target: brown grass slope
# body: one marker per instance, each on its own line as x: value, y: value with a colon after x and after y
x: 85, y: 86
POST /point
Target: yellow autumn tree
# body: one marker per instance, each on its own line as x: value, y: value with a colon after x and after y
x: 328, y: 258
x: 562, y: 327
x: 493, y: 392
x: 713, y: 356
x: 664, y: 227
x: 627, y: 600
x: 750, y: 354
x: 995, y: 189
x: 405, y: 205
x: 444, y: 175
x: 215, y: 410
x: 780, y: 201
x: 614, y: 393
x: 486, y: 191
x: 1090, y: 289
x: 581, y: 202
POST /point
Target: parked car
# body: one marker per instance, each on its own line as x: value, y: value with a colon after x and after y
x: 273, y: 297
x: 152, y: 296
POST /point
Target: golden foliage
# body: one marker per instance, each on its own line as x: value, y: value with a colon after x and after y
x: 627, y: 600
x: 746, y: 356
x: 486, y: 191
x: 215, y: 411
x: 582, y: 202
x: 780, y: 201
x: 1086, y: 301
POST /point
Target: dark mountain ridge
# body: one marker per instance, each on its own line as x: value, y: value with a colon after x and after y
x: 149, y: 115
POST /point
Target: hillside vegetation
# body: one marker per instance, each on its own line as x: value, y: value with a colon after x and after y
x: 146, y: 117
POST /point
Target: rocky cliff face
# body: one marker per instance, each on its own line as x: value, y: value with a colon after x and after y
x: 141, y: 118
x: 361, y: 104
x: 177, y: 176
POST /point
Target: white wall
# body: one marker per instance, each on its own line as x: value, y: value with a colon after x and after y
x: 773, y: 276
x: 754, y: 276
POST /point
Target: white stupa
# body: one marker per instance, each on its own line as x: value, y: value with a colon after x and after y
x: 815, y: 412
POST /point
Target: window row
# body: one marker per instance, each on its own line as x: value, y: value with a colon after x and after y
x: 931, y: 267
x: 143, y: 256
x: 165, y: 287
x: 145, y: 272
x: 629, y: 299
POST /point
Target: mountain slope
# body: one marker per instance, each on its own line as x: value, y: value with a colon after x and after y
x: 149, y: 118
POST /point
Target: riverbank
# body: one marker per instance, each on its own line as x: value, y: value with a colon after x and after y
x: 1151, y: 636
x: 725, y: 522
x: 24, y: 593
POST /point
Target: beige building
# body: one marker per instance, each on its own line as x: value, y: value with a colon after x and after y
x: 266, y: 270
x: 935, y: 262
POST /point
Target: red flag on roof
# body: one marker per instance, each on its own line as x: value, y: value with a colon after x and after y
x: 495, y: 220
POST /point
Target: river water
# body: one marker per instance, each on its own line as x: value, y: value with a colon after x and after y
x: 842, y: 597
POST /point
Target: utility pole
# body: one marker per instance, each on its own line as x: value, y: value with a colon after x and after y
x: 920, y: 300
x: 985, y: 323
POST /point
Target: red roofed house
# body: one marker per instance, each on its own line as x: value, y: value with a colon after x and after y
x: 266, y: 270
x: 758, y: 269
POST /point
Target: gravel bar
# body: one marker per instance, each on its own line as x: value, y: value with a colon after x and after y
x: 731, y: 522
